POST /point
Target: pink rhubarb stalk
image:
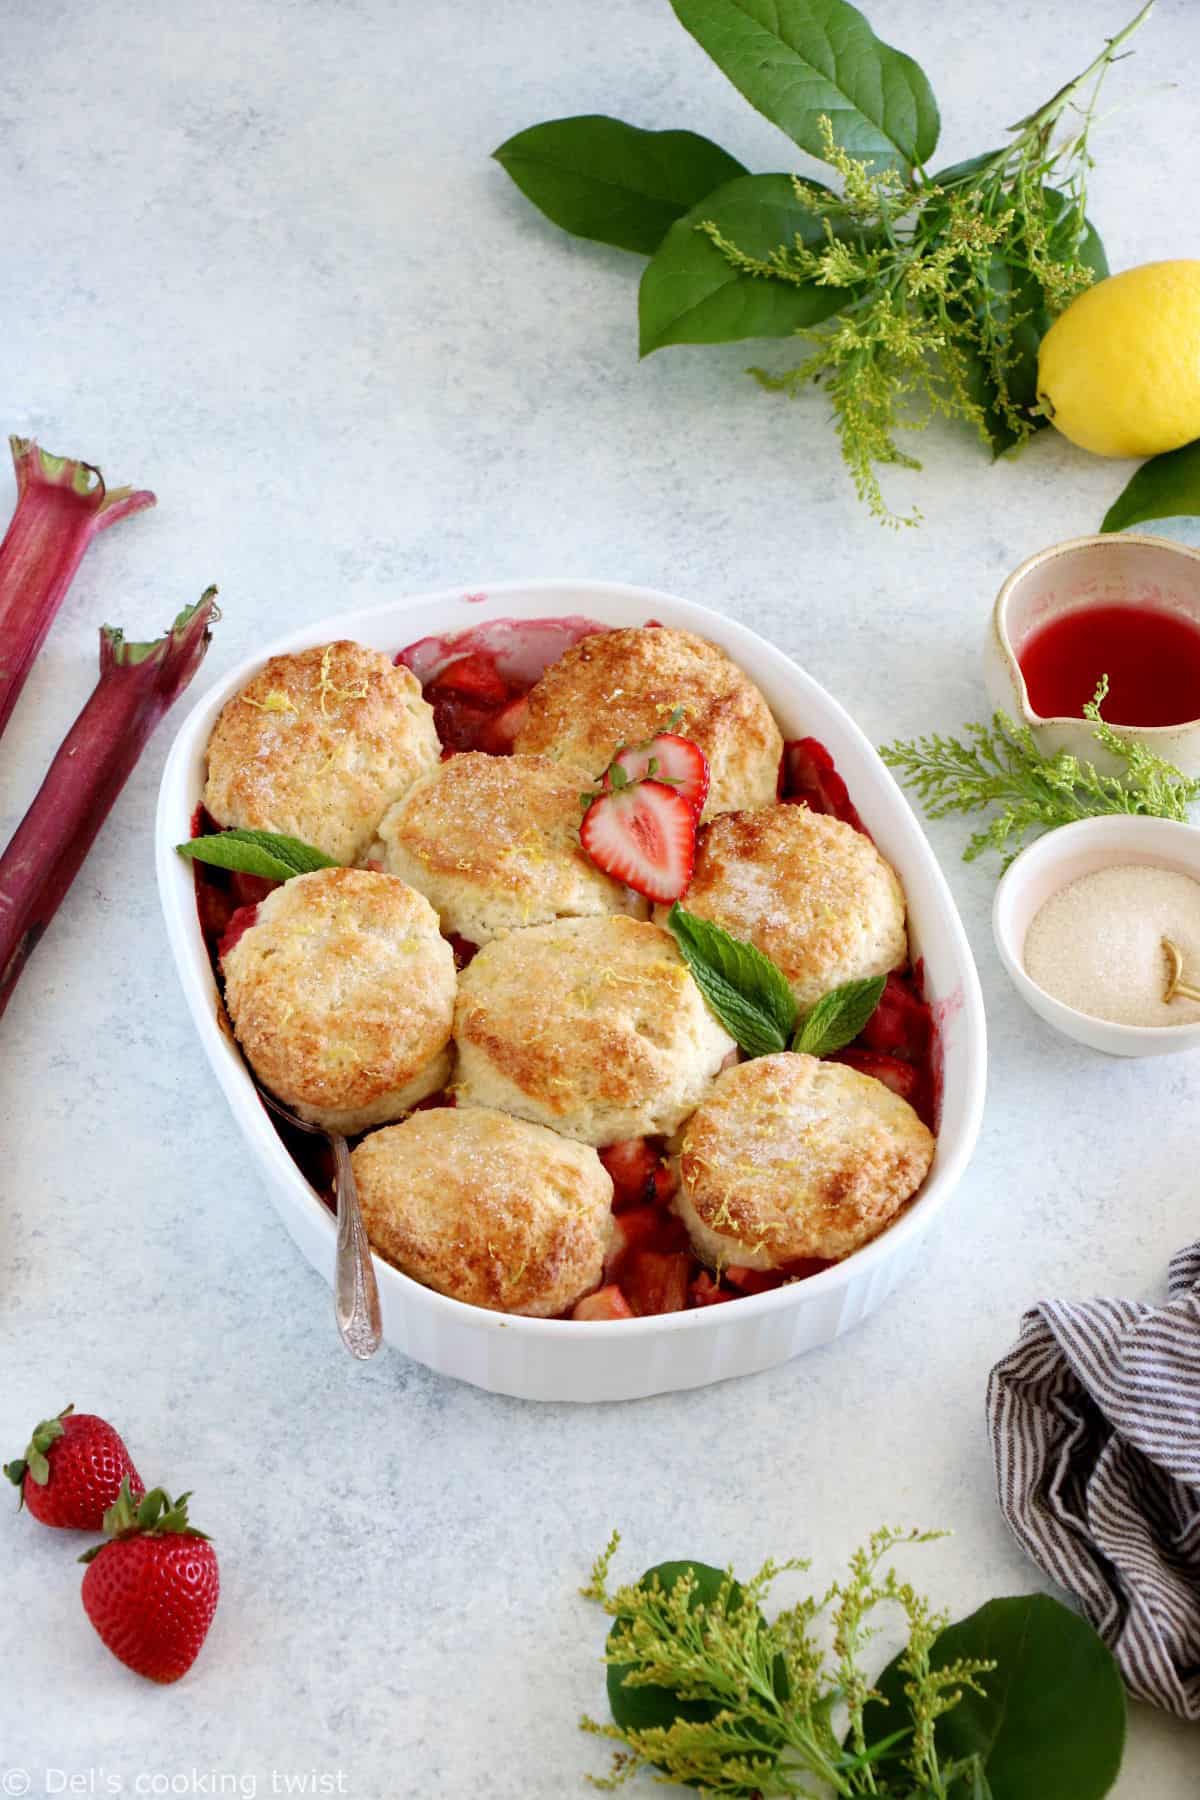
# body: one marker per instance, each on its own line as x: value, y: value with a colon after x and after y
x: 61, y: 505
x: 138, y: 682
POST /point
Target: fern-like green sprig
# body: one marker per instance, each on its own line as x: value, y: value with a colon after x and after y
x: 946, y: 281
x: 775, y: 1719
x: 999, y: 765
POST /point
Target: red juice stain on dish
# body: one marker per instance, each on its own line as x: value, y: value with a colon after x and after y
x: 1151, y: 658
x: 476, y: 680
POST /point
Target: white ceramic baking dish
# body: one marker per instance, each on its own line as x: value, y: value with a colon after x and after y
x: 547, y: 1359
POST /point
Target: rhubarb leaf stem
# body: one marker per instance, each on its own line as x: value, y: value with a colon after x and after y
x: 61, y: 504
x: 138, y: 682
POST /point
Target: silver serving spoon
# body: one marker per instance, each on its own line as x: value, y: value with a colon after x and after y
x: 355, y: 1291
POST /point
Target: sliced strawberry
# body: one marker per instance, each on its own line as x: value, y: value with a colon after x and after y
x: 810, y: 778
x: 606, y: 1303
x: 239, y: 922
x: 901, y: 1025
x: 901, y: 1077
x: 464, y: 950
x: 675, y: 761
x: 476, y: 676
x: 645, y: 836
x: 655, y: 1281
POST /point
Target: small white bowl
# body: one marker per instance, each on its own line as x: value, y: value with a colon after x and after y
x: 1123, y: 569
x: 1047, y: 866
x: 552, y: 1359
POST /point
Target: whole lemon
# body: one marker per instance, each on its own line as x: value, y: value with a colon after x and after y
x: 1119, y: 371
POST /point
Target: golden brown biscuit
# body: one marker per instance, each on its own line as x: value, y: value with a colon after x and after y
x: 591, y: 1026
x: 791, y: 1157
x: 318, y: 745
x: 342, y: 997
x: 813, y: 894
x: 488, y: 1209
x: 493, y: 842
x: 620, y: 687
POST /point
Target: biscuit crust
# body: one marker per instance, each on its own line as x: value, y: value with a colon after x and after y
x: 341, y: 994
x: 318, y: 745
x: 791, y: 1157
x: 620, y: 687
x: 493, y: 842
x: 591, y: 1026
x: 486, y: 1208
x: 812, y: 893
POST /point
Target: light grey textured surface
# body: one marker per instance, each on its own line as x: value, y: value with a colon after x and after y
x: 257, y: 258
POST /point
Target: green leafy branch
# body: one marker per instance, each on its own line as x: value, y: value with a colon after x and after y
x: 921, y: 295
x: 1000, y: 765
x: 705, y: 1691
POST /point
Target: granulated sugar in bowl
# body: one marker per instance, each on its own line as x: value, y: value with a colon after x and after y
x: 1098, y: 944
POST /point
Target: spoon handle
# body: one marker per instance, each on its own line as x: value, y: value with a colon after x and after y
x: 356, y: 1296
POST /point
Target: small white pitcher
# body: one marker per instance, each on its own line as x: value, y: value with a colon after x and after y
x: 1122, y: 569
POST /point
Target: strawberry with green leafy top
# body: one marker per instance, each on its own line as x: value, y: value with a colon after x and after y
x: 72, y: 1471
x: 641, y: 827
x: 151, y: 1588
x: 667, y: 757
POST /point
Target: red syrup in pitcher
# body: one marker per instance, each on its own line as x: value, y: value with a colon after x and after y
x: 1151, y: 659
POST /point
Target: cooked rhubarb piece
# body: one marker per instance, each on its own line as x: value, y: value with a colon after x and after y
x: 137, y: 684
x: 656, y: 1281
x: 633, y: 1164
x: 606, y: 1303
x: 61, y: 505
x: 705, y: 1290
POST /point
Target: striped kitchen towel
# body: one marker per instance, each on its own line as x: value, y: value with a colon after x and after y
x: 1095, y: 1422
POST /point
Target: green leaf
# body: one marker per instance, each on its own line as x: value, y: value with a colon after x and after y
x: 798, y: 59
x: 839, y: 1016
x: 602, y: 179
x: 692, y: 294
x: 1166, y: 487
x: 266, y: 853
x: 1052, y: 1722
x: 742, y: 986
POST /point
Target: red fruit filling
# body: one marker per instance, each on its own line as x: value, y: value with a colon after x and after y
x: 476, y: 682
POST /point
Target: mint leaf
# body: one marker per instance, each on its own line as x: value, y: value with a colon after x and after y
x: 741, y: 985
x: 603, y: 179
x: 1166, y: 487
x: 265, y: 853
x: 797, y: 59
x: 839, y: 1016
x: 692, y: 294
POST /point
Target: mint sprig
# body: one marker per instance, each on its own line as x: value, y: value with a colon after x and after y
x: 269, y: 854
x: 839, y: 1016
x: 742, y: 986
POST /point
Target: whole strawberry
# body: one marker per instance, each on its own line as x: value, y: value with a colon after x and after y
x: 72, y: 1471
x: 151, y: 1590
